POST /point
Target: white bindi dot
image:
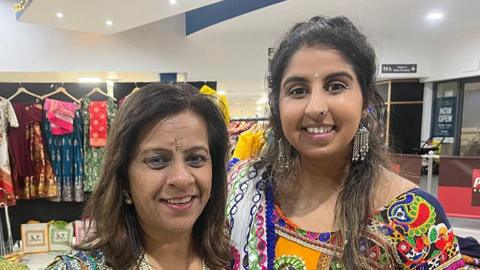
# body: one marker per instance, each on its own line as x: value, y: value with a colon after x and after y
x: 316, y: 75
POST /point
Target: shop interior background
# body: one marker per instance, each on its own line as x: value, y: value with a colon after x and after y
x: 119, y: 43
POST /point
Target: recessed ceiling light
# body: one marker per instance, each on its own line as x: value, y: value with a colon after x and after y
x: 173, y: 2
x: 109, y: 23
x: 59, y: 15
x: 435, y: 16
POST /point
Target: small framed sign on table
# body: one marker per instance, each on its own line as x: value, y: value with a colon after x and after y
x: 34, y: 237
x: 60, y: 235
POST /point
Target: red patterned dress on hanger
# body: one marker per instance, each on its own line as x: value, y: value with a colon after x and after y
x: 32, y: 174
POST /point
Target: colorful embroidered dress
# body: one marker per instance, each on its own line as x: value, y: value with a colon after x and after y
x: 94, y: 260
x: 33, y: 173
x: 93, y: 155
x: 410, y: 232
x: 66, y: 153
x: 79, y: 260
x: 8, y: 119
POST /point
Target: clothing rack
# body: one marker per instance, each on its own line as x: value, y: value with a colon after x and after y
x: 256, y: 119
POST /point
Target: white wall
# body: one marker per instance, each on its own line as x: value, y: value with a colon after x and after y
x: 405, y: 50
x: 455, y: 57
x: 26, y: 47
x: 237, y: 63
x: 161, y: 46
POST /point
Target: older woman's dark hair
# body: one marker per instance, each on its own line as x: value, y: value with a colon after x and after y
x: 339, y: 34
x: 116, y: 230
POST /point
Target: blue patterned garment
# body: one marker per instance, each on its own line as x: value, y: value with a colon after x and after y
x: 66, y: 153
x: 79, y: 260
x: 91, y: 260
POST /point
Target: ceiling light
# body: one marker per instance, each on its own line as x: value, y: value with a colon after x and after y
x: 59, y: 15
x: 89, y: 80
x: 173, y: 2
x: 435, y: 16
x: 109, y: 22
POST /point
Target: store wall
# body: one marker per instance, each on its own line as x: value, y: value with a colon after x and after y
x: 407, y: 50
x: 460, y: 57
x: 237, y: 62
x: 160, y: 46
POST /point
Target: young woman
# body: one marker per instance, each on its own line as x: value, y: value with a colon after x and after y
x: 323, y: 196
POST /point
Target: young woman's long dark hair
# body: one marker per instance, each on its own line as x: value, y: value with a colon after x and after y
x: 354, y: 202
x: 116, y: 230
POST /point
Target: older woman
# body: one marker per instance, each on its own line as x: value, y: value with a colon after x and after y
x: 163, y: 182
x: 323, y: 197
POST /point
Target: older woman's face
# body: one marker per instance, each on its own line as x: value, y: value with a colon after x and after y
x: 170, y: 176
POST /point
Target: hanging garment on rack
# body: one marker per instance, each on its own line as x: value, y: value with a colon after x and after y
x: 17, y: 139
x: 221, y: 101
x: 237, y: 127
x: 98, y: 123
x: 66, y: 152
x: 36, y: 179
x: 249, y: 145
x: 8, y: 119
x: 60, y: 114
x: 93, y: 155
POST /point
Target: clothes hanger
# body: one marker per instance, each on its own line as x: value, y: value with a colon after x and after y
x: 135, y: 89
x: 61, y: 90
x: 99, y: 91
x: 21, y: 90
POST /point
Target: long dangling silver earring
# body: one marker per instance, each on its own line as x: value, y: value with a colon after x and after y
x: 360, y: 143
x: 284, y: 161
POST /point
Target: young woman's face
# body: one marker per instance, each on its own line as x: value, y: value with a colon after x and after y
x: 170, y: 176
x: 320, y: 103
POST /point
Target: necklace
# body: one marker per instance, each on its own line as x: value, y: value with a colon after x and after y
x: 145, y: 264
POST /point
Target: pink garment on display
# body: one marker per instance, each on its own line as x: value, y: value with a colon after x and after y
x: 60, y: 114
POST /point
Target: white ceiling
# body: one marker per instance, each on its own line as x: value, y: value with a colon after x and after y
x: 379, y: 18
x: 91, y: 15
